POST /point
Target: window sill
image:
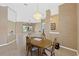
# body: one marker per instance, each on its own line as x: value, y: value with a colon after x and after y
x: 55, y: 33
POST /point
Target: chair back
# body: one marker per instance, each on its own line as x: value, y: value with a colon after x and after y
x: 28, y: 40
x: 53, y: 45
x: 56, y: 45
x: 43, y: 35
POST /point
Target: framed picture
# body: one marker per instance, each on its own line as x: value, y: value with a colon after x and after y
x: 53, y: 26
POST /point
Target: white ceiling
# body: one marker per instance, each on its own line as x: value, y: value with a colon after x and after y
x: 25, y: 13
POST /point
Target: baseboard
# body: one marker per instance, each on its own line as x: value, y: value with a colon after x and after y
x: 74, y: 50
x: 77, y: 53
x: 7, y: 43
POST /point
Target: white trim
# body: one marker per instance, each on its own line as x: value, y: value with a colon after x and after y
x: 7, y: 43
x: 77, y: 53
x: 74, y: 50
x: 57, y: 33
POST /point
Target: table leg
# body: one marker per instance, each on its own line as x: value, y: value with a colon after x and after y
x: 40, y: 51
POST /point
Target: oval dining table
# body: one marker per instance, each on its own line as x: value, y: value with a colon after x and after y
x: 41, y: 44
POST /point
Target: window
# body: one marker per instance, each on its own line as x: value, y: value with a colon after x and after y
x: 27, y: 28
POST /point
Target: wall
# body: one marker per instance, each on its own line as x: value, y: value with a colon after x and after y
x: 68, y: 25
x: 19, y: 25
x: 51, y: 34
x: 78, y: 26
x: 21, y: 37
x: 47, y: 23
x: 3, y: 25
x: 55, y: 19
x: 37, y: 28
x: 11, y: 27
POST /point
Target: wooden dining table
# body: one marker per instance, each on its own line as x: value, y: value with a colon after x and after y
x: 41, y: 44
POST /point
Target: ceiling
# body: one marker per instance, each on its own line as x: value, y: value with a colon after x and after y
x: 25, y: 11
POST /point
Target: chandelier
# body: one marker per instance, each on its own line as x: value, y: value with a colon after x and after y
x: 37, y: 15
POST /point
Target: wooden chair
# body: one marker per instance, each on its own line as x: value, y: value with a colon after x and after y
x: 28, y: 45
x: 51, y: 49
x: 30, y: 48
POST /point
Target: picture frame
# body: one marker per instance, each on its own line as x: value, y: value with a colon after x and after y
x: 53, y: 26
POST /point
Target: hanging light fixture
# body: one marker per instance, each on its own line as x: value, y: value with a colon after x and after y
x: 37, y: 15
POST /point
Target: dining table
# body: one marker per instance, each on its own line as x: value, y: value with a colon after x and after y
x: 41, y: 44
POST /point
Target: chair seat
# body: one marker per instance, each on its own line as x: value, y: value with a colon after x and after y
x: 49, y: 49
x: 34, y: 48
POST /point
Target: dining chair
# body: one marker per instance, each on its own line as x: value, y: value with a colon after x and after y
x: 51, y: 49
x: 29, y: 47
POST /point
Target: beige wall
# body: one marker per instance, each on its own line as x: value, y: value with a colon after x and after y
x: 47, y: 23
x: 3, y: 24
x: 68, y: 25
x: 37, y: 27
x: 19, y: 29
x: 78, y: 26
x: 55, y: 19
x: 21, y: 37
x: 11, y: 27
